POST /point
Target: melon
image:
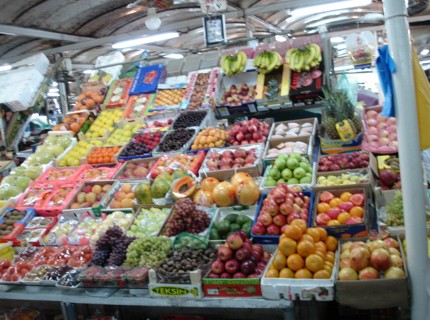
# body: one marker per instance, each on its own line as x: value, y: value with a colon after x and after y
x: 208, y: 184
x: 184, y: 188
x: 240, y: 177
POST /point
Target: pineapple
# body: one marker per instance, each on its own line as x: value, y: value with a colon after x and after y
x: 337, y: 107
x: 272, y: 89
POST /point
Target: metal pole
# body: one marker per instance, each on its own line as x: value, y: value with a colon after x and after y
x: 409, y: 152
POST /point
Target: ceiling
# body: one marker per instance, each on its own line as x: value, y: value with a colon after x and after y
x: 85, y: 29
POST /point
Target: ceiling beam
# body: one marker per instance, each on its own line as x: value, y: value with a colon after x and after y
x: 36, y: 33
x: 191, y: 23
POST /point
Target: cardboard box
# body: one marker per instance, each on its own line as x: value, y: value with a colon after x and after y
x: 306, y: 86
x: 272, y: 239
x: 232, y: 288
x: 274, y: 143
x: 364, y: 172
x: 313, y: 121
x: 177, y: 291
x: 266, y: 189
x: 329, y: 146
x: 255, y: 170
x: 302, y: 289
x: 373, y: 294
x: 147, y: 79
x: 223, y: 212
x: 96, y: 210
x: 346, y: 230
x: 224, y: 110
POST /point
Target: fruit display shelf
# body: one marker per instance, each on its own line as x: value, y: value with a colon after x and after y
x: 302, y: 145
x: 170, y: 162
x: 302, y: 289
x: 97, y: 172
x: 57, y: 200
x: 220, y: 162
x: 246, y: 215
x: 136, y: 105
x: 176, y: 141
x: 117, y: 94
x: 135, y: 169
x: 349, y: 222
x: 305, y: 186
x: 140, y: 146
x: 189, y: 119
x: 296, y: 128
x: 271, y: 227
x: 58, y: 175
x: 375, y: 293
x: 357, y: 178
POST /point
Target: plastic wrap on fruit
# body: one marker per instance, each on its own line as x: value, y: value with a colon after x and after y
x: 69, y: 279
x: 80, y: 257
x: 87, y: 276
x: 56, y: 273
x: 117, y: 218
x: 136, y: 276
x: 58, y: 234
x: 225, y: 159
x: 82, y: 233
x: 37, y: 273
x: 111, y: 275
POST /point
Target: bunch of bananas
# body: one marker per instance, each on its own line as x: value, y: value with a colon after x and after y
x: 233, y: 64
x: 267, y: 61
x: 393, y: 163
x: 305, y: 58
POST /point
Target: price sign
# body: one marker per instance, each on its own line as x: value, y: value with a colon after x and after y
x: 214, y: 27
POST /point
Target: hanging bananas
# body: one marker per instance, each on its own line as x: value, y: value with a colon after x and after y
x: 267, y: 61
x: 305, y: 58
x: 233, y: 64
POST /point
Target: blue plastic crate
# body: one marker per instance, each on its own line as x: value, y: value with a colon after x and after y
x: 269, y: 239
x: 30, y: 213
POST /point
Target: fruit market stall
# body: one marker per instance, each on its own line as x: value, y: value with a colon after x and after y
x: 182, y: 209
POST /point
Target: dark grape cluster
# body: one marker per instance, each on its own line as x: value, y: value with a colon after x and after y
x: 175, y: 140
x: 186, y: 218
x: 27, y: 254
x: 189, y: 119
x: 111, y: 248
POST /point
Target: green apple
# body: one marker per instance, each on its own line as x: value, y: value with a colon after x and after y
x: 305, y: 180
x: 293, y: 181
x: 270, y: 182
x: 292, y: 163
x: 296, y: 156
x: 275, y: 173
x: 299, y: 173
x: 287, y: 174
x: 280, y: 181
x: 280, y: 163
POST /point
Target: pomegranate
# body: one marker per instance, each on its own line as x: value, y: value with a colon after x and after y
x: 396, y: 261
x: 208, y: 184
x: 347, y: 274
x: 394, y: 273
x: 391, y: 243
x: 368, y: 273
x: 380, y: 259
x: 203, y: 198
x: 247, y: 192
x: 224, y: 194
x: 372, y: 245
x: 359, y: 258
x: 344, y: 263
x: 394, y: 251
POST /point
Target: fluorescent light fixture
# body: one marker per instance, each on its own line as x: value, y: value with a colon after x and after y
x: 336, y: 40
x: 87, y: 71
x: 5, y: 67
x: 54, y: 84
x: 424, y: 52
x: 335, y: 5
x: 145, y: 40
x: 280, y: 38
x: 174, y: 56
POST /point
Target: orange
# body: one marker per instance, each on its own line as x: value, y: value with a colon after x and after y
x: 305, y: 248
x: 314, y: 233
x: 356, y: 211
x: 295, y: 262
x: 301, y: 223
x: 331, y: 243
x: 328, y: 263
x: 282, y: 237
x: 279, y: 261
x: 334, y: 203
x: 272, y: 273
x: 343, y: 217
x: 314, y: 262
x: 287, y: 246
x: 345, y: 196
x: 293, y: 231
x: 307, y: 237
x: 303, y: 274
x: 323, y: 233
x: 331, y: 223
x: 328, y: 268
x: 322, y: 274
x: 321, y: 247
x: 286, y: 273
x: 323, y: 207
x: 329, y: 256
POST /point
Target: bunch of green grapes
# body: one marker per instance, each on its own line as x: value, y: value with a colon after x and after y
x: 395, y: 211
x: 148, y: 251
